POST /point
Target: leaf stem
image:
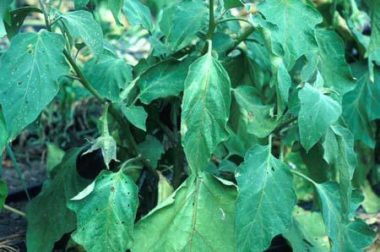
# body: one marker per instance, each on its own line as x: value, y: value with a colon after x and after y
x: 18, y: 170
x: 14, y: 210
x: 299, y: 174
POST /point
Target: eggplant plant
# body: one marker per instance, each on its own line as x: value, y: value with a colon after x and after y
x: 239, y: 114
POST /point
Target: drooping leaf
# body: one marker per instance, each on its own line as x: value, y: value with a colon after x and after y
x: 151, y: 149
x: 3, y: 193
x: 163, y: 80
x: 345, y: 236
x: 4, y: 7
x: 82, y: 25
x: 318, y: 112
x: 307, y: 232
x: 255, y: 114
x: 138, y: 14
x: 205, y: 110
x: 105, y: 142
x: 182, y: 21
x: 199, y: 216
x: 16, y: 19
x: 136, y: 115
x: 339, y: 152
x: 108, y: 75
x: 106, y: 213
x: 29, y: 73
x: 48, y: 217
x: 287, y: 15
x: 361, y: 106
x: 263, y: 182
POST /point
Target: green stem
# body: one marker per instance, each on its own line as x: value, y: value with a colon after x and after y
x: 46, y: 16
x: 211, y: 22
x: 14, y: 210
x: 18, y: 170
x: 243, y: 36
x: 233, y: 19
x: 299, y: 174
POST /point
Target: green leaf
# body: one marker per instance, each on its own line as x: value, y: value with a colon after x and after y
x: 106, y: 215
x: 318, y: 112
x: 199, y: 216
x: 205, y: 110
x: 350, y: 237
x: 151, y: 149
x: 82, y: 25
x: 330, y: 59
x: 229, y: 4
x: 29, y: 74
x: 4, y: 134
x: 48, y: 217
x: 163, y: 80
x: 136, y: 115
x: 371, y: 203
x: 54, y: 157
x: 339, y: 152
x: 361, y: 106
x: 115, y: 7
x: 307, y: 232
x: 16, y: 19
x: 3, y: 193
x: 374, y: 44
x: 254, y: 114
x: 295, y: 24
x: 4, y: 8
x: 263, y: 182
x: 181, y: 22
x: 79, y: 4
x: 138, y: 14
x: 108, y: 75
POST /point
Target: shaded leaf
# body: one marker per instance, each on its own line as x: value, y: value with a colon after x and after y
x: 255, y: 114
x: 163, y: 80
x: 136, y: 115
x: 48, y: 217
x: 3, y: 193
x: 151, y: 149
x: 108, y: 75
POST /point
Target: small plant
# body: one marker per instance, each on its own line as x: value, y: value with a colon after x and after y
x: 239, y: 114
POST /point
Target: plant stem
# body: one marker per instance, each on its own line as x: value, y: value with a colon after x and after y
x: 233, y: 19
x: 211, y: 21
x: 299, y: 174
x: 243, y: 36
x: 46, y: 17
x: 14, y: 210
x: 18, y: 170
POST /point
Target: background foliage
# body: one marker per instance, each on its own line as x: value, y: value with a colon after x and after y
x: 244, y: 122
